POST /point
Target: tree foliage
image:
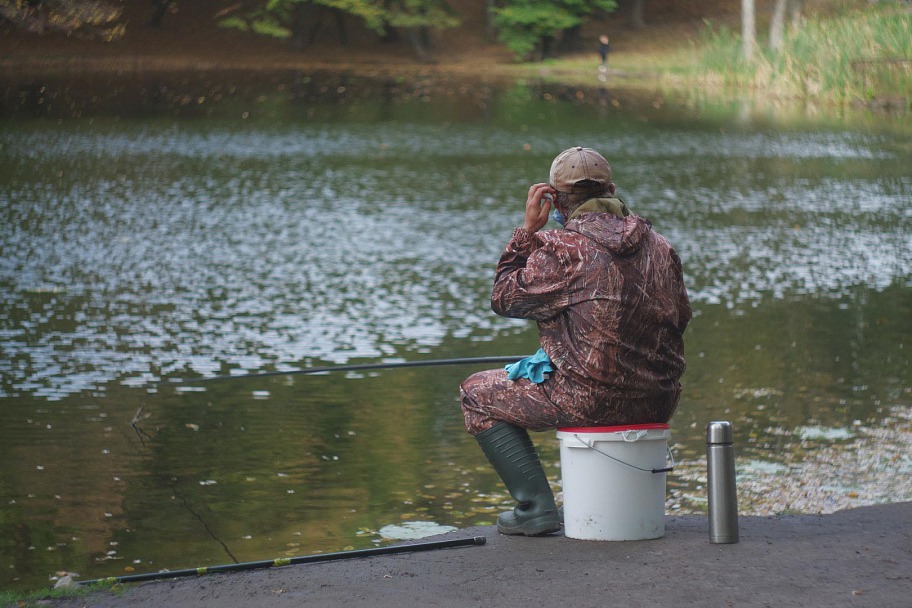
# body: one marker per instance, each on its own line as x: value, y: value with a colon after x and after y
x: 83, y: 18
x: 369, y: 12
x: 524, y: 25
x: 435, y: 14
x: 530, y: 26
x: 301, y: 20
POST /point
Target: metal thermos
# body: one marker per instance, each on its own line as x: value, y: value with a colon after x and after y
x: 723, y: 494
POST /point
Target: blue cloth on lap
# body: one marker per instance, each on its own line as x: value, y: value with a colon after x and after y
x: 534, y: 368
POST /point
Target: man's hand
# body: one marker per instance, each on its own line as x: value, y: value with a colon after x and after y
x: 538, y: 206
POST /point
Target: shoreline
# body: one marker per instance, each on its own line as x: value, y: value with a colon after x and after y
x: 856, y: 557
x: 23, y: 71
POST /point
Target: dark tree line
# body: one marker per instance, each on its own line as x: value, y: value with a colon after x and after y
x: 532, y: 29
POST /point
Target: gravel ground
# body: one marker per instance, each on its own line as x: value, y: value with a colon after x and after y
x: 857, y: 557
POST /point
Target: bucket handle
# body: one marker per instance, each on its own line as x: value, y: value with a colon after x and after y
x: 591, y: 445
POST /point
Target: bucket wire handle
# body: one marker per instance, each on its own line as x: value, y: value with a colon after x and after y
x: 591, y: 445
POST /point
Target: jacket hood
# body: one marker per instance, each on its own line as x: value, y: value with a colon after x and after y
x: 620, y: 236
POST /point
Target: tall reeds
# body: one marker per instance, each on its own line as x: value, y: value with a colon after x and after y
x: 862, y: 54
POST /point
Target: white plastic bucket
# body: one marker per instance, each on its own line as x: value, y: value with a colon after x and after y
x: 614, y: 481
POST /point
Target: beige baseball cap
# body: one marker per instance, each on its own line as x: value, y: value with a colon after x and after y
x: 576, y: 165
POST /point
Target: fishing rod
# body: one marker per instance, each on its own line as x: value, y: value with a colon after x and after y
x: 362, y: 366
x: 287, y: 561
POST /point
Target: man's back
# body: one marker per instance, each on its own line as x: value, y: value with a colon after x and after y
x: 609, y: 297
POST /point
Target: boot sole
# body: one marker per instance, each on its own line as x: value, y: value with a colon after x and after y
x: 536, y: 527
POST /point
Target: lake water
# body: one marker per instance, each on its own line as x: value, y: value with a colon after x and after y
x: 164, y: 229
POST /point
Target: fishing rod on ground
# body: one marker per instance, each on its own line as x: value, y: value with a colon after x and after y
x: 362, y: 367
x: 287, y: 561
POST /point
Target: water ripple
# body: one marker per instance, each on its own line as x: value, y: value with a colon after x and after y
x: 133, y: 254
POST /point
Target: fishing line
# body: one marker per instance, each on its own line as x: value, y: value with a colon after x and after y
x: 141, y: 415
x: 202, y: 521
x: 138, y: 417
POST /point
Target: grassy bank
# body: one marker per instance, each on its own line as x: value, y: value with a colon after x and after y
x: 40, y: 597
x: 861, y: 53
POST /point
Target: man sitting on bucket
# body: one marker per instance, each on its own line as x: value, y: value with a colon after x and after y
x: 608, y: 294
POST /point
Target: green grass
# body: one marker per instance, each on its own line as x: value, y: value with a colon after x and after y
x: 842, y: 57
x: 861, y: 54
x: 31, y: 599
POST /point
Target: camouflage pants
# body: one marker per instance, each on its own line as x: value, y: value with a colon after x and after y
x: 489, y: 397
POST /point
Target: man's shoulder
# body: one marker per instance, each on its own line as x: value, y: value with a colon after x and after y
x: 567, y: 243
x: 559, y: 237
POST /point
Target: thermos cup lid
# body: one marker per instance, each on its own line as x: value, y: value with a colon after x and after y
x: 719, y: 431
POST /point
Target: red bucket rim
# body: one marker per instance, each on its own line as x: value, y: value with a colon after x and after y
x: 651, y: 426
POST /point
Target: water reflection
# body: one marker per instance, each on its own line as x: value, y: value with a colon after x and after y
x: 328, y: 227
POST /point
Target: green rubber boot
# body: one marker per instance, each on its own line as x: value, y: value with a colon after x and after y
x: 511, y: 453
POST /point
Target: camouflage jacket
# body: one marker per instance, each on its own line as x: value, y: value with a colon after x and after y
x: 608, y: 295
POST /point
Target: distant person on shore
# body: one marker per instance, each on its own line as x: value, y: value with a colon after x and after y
x: 604, y: 48
x: 608, y: 294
